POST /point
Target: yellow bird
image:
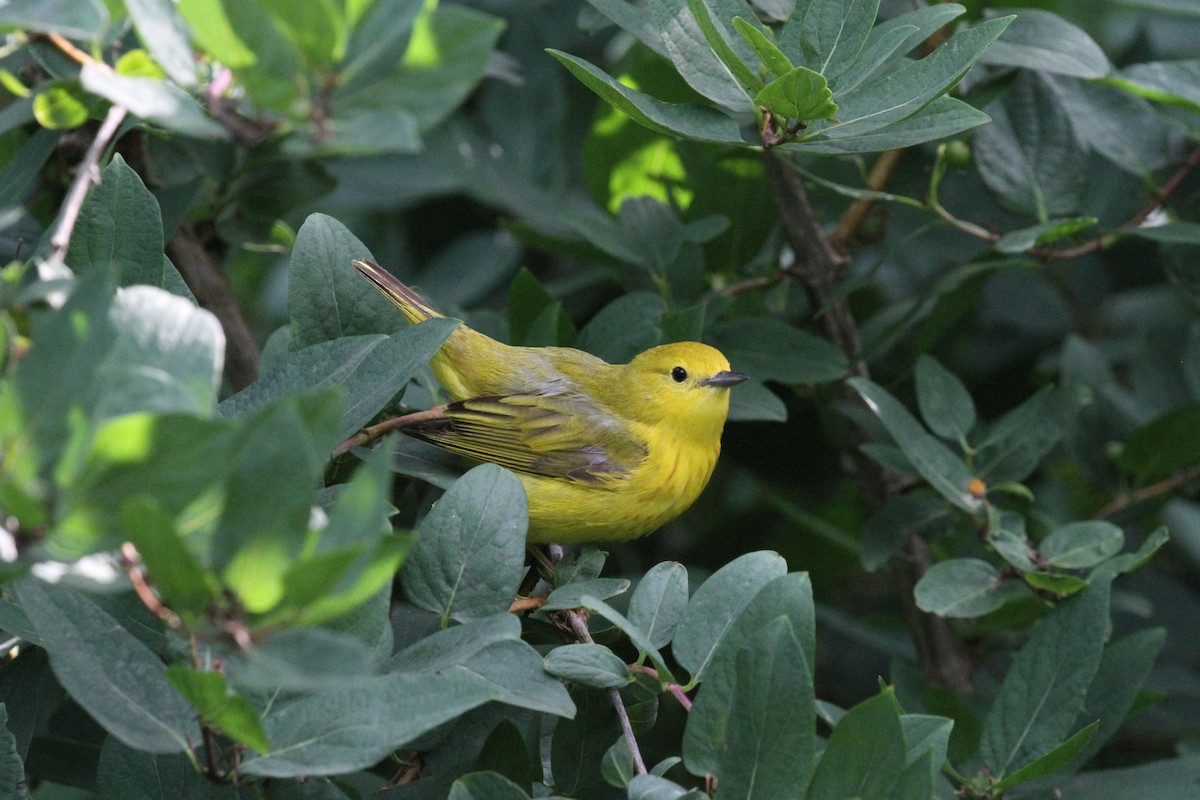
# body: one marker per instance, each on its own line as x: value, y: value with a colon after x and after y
x: 605, y: 451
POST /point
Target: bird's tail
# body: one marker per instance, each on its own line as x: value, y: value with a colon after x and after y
x: 413, y: 306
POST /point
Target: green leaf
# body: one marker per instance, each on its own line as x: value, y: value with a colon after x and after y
x: 1052, y: 761
x: 153, y: 100
x: 1079, y: 545
x: 300, y: 660
x: 1044, y: 689
x: 693, y: 57
x: 12, y: 771
x: 1166, y: 445
x: 1006, y: 535
x: 716, y: 40
x: 891, y: 39
x: 470, y: 554
x: 945, y: 404
x: 351, y: 727
x: 210, y: 695
x: 1044, y: 41
x: 945, y: 472
x: 634, y: 19
x: 770, y: 349
x: 659, y: 601
x: 60, y: 106
x: 486, y: 786
x: 832, y: 33
x: 327, y: 298
x: 112, y: 675
x: 945, y: 116
x: 1122, y: 128
x: 316, y: 28
x: 925, y: 734
x: 800, y: 94
x: 514, y: 672
x: 589, y: 665
x: 617, y: 766
x: 754, y: 402
x: 690, y: 121
x: 1170, y: 82
x: 885, y: 532
x: 636, y: 637
x: 578, y: 745
x: 77, y: 19
x: 866, y: 752
x: 1029, y: 156
x: 787, y: 597
x: 1016, y: 443
x: 964, y: 588
x: 656, y: 787
x: 186, y: 587
x: 1060, y: 585
x: 762, y: 42
x: 905, y: 91
x: 570, y: 595
x: 717, y: 602
x: 124, y: 773
x: 769, y: 736
x: 1173, y: 232
x: 1129, y: 562
x: 1044, y: 233
x: 624, y: 327
x: 164, y: 33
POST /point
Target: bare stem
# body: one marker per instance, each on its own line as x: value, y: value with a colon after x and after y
x: 377, y: 431
x: 579, y: 627
x: 87, y: 174
x: 1165, y: 486
x: 854, y: 215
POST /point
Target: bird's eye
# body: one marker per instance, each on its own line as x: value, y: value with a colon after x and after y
x: 679, y: 374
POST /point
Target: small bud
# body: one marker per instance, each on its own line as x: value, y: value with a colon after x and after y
x: 977, y: 488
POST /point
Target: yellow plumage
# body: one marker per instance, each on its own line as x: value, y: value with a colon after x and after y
x: 605, y: 451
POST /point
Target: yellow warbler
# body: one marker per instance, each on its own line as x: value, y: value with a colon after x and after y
x: 605, y: 451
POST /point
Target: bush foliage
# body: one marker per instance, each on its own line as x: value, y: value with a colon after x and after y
x: 950, y: 550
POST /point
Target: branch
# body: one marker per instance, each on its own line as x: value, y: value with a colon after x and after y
x: 822, y: 268
x: 854, y: 215
x: 1165, y: 486
x: 214, y: 293
x: 376, y: 432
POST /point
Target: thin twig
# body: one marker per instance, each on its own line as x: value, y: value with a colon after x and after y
x: 131, y: 561
x: 88, y: 173
x: 377, y: 431
x: 877, y: 180
x: 674, y: 688
x: 1165, y: 486
x: 579, y: 627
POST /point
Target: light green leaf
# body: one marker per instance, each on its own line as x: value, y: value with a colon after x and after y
x: 763, y: 43
x: 800, y: 94
x: 77, y: 19
x: 154, y: 101
x: 60, y: 106
x: 1170, y: 82
x: 210, y: 695
x: 1042, y: 234
x: 164, y: 33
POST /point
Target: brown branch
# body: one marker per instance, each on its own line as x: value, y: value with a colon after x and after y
x: 131, y: 560
x: 1165, y: 486
x: 856, y: 213
x: 376, y: 432
x: 204, y: 277
x: 821, y: 268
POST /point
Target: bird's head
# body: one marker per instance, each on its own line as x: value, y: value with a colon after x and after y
x: 685, y: 384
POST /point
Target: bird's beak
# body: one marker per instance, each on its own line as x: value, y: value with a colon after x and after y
x: 724, y: 379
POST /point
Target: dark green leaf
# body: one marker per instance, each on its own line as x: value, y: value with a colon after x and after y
x: 715, y: 605
x: 347, y: 728
x: 1052, y: 761
x: 116, y: 678
x: 945, y: 472
x: 884, y: 533
x: 470, y: 554
x: 944, y: 116
x: 1044, y: 41
x: 769, y: 734
x: 754, y: 402
x: 1171, y: 82
x: 1014, y: 446
x: 327, y: 298
x: 1166, y: 445
x: 1058, y: 584
x: 964, y: 587
x: 128, y: 774
x: 12, y: 771
x: 866, y: 752
x: 617, y: 766
x: 769, y: 349
x: 634, y: 19
x: 588, y: 664
x: 1119, y: 126
x: 1174, y: 232
x: 579, y: 744
x: 570, y: 595
x: 689, y: 50
x: 186, y: 587
x: 1129, y: 562
x: 708, y: 27
x: 654, y: 787
x: 1079, y: 545
x: 1044, y: 690
x: 165, y: 35
x: 513, y: 671
x: 832, y: 33
x: 787, y: 597
x: 659, y: 600
x: 300, y: 660
x: 1029, y: 156
x: 1006, y: 535
x: 624, y: 327
x: 486, y: 786
x: 945, y: 404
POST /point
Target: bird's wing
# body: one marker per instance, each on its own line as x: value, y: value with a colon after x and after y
x: 557, y: 436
